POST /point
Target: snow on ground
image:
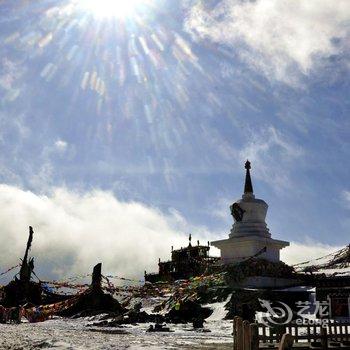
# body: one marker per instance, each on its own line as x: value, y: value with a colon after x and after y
x: 219, y: 311
x: 342, y: 271
x: 64, y: 334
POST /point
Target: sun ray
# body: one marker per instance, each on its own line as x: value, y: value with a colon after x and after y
x: 112, y: 8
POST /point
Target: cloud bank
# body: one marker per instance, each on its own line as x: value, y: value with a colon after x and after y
x: 74, y: 231
x: 285, y: 39
x: 299, y: 252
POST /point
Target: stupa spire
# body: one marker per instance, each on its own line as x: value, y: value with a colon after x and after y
x: 248, y: 187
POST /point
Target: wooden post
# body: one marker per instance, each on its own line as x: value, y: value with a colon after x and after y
x: 234, y: 333
x: 27, y: 268
x: 286, y: 342
x: 246, y: 335
x: 97, y: 277
x: 237, y: 333
x: 254, y: 331
x: 324, y: 337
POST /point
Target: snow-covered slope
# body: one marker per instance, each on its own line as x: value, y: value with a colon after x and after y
x: 334, y: 264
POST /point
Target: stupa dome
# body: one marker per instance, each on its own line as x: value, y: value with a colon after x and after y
x: 249, y: 236
x: 249, y: 213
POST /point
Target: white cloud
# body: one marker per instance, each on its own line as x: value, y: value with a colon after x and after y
x: 221, y: 209
x: 75, y: 231
x: 271, y: 153
x: 41, y: 180
x: 346, y: 198
x: 61, y: 145
x: 299, y: 252
x: 10, y: 74
x: 282, y: 38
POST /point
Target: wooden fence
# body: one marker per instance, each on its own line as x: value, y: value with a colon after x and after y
x: 251, y: 336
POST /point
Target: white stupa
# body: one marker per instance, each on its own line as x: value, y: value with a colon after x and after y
x: 249, y: 236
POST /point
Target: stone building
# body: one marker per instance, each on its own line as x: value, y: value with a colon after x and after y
x: 190, y: 261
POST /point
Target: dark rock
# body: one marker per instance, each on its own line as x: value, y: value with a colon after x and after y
x: 186, y: 312
x: 93, y: 302
x: 130, y: 317
x: 18, y: 293
x: 158, y: 327
x: 244, y: 303
x: 198, y: 323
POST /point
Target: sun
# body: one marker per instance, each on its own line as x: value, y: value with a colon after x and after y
x: 113, y: 8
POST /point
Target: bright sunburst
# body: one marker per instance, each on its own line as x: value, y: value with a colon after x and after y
x: 113, y: 8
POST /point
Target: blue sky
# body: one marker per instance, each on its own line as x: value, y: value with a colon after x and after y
x: 162, y: 107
